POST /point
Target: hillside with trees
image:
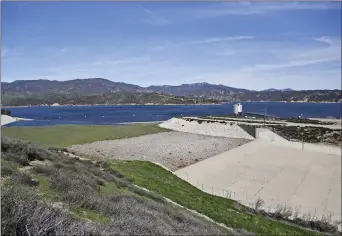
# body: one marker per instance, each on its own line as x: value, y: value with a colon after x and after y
x: 103, y: 91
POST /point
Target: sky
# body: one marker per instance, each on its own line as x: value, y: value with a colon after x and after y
x: 252, y: 45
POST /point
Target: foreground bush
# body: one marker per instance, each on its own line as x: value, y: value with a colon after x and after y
x: 23, y: 214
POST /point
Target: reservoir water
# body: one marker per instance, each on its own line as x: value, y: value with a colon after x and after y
x: 105, y: 115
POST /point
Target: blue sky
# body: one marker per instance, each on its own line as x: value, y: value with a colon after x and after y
x: 248, y: 45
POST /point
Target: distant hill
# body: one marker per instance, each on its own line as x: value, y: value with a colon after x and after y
x: 274, y: 90
x: 99, y: 85
x: 103, y: 91
x: 77, y: 86
x: 198, y: 89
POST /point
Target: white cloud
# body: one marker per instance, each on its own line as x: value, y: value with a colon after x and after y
x: 266, y: 7
x: 167, y: 45
x: 307, y: 79
x: 290, y: 64
x: 301, y: 58
x: 324, y: 39
x: 285, y: 6
x: 222, y: 39
x: 183, y: 14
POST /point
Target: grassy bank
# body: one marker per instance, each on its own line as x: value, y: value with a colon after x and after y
x: 67, y: 135
x: 64, y: 195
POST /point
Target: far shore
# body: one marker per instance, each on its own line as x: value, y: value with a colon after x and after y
x: 152, y: 104
x: 88, y: 105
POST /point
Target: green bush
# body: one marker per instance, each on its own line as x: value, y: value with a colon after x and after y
x: 23, y: 178
x: 7, y: 168
x: 22, y: 213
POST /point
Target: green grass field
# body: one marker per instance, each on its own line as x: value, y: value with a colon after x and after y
x: 67, y: 135
x: 222, y: 210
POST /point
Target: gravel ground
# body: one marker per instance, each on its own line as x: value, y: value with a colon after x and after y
x: 217, y: 129
x: 173, y: 150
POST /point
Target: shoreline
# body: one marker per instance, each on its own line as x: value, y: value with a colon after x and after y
x: 141, y: 122
x: 94, y: 105
x: 169, y: 104
x: 5, y: 119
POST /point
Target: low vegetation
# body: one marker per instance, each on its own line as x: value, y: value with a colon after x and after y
x: 122, y: 97
x: 5, y: 111
x: 237, y: 118
x: 67, y: 135
x: 309, y: 134
x: 64, y: 195
x: 288, y: 214
x: 308, y: 121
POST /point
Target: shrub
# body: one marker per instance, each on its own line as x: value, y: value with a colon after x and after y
x: 22, y: 153
x: 5, y: 111
x: 47, y: 170
x: 22, y: 213
x: 7, y: 168
x: 287, y: 214
x: 23, y: 178
x: 19, y: 158
x: 115, y: 172
x: 258, y: 203
x: 34, y: 154
x: 100, y: 182
x: 148, y: 194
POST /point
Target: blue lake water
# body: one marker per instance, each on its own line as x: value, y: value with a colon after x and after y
x: 105, y: 115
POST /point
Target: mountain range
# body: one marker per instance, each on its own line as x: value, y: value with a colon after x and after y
x: 273, y: 90
x: 99, y: 85
x: 77, y: 89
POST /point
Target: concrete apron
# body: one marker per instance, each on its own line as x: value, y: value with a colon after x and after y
x: 276, y: 171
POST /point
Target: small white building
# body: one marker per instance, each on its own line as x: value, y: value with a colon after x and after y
x: 238, y: 109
